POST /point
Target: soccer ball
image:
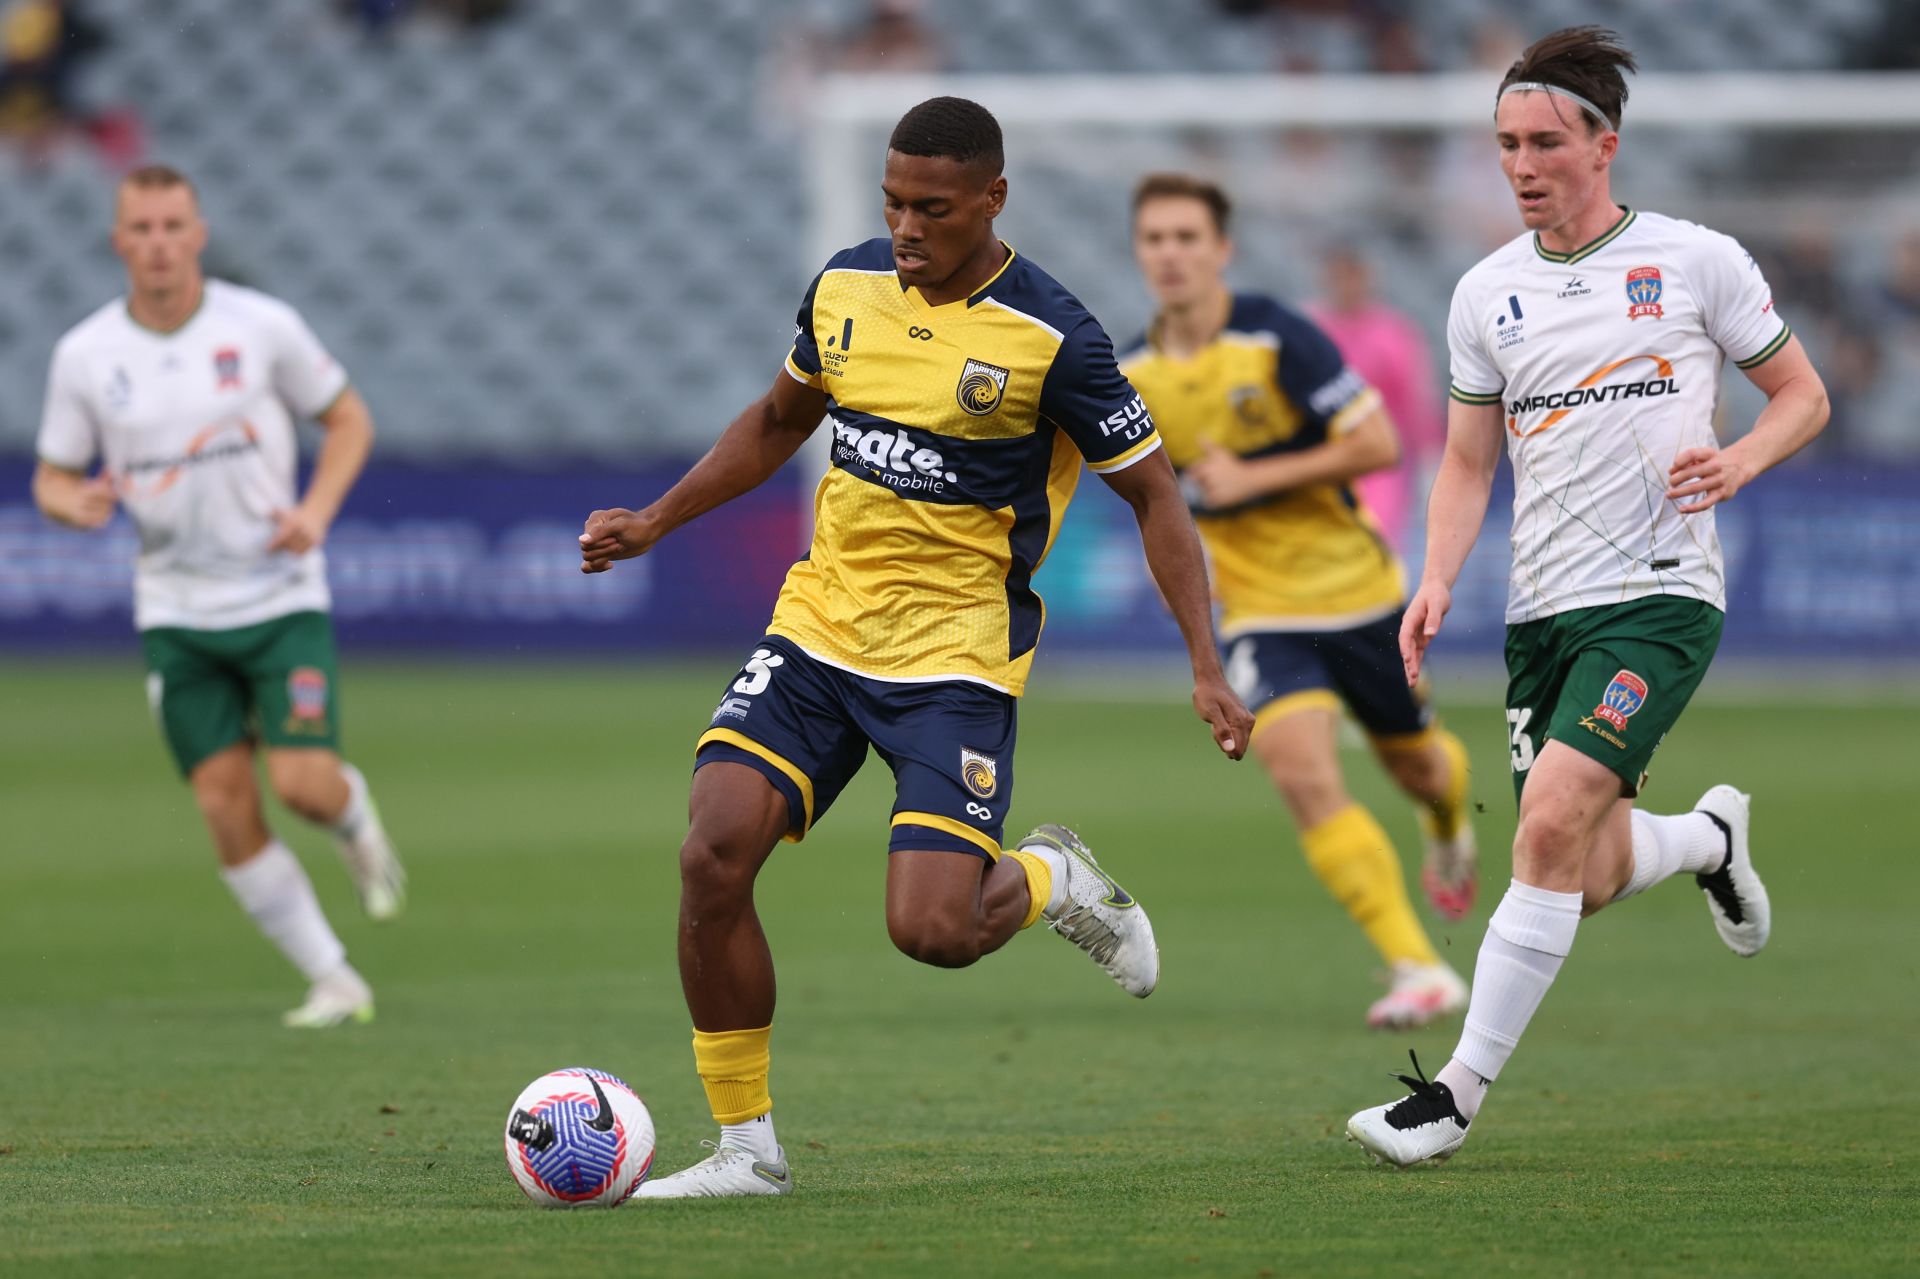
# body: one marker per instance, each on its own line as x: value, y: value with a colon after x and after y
x: 579, y: 1138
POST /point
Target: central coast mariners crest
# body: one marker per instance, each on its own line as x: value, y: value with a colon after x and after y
x: 980, y: 772
x: 981, y: 387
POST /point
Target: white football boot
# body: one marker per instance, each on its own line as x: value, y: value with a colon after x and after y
x: 341, y: 996
x: 726, y: 1173
x: 378, y: 877
x: 1451, y: 871
x: 1418, y: 995
x: 1736, y: 898
x: 1425, y: 1125
x: 1098, y: 916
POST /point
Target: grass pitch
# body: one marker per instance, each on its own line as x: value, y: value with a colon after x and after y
x: 1674, y: 1110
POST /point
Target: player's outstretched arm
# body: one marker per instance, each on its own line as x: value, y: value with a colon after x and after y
x: 343, y: 455
x: 1225, y: 479
x: 1455, y: 510
x: 70, y: 498
x: 1180, y: 570
x: 757, y: 444
x: 1796, y: 411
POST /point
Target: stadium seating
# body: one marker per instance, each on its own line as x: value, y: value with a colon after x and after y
x: 580, y: 231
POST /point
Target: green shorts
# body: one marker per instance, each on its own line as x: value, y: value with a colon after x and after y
x: 275, y: 681
x: 1608, y: 681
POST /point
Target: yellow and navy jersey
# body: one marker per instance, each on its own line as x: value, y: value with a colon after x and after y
x: 958, y: 433
x: 1308, y: 559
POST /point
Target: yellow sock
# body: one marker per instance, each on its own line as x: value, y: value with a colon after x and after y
x: 733, y: 1069
x: 1355, y: 860
x: 1039, y: 882
x: 1444, y: 819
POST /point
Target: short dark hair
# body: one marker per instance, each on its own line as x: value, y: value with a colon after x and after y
x: 1185, y: 186
x: 951, y: 129
x: 159, y: 176
x: 1585, y: 60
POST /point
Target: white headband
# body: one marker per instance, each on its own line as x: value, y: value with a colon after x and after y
x: 1535, y: 86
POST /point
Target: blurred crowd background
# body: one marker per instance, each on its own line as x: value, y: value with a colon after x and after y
x: 576, y: 227
x: 574, y: 232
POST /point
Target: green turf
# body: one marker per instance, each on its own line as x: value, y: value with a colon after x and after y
x: 1674, y: 1110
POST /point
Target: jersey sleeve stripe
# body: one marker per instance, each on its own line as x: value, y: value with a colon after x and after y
x: 948, y: 826
x: 1124, y: 460
x: 1472, y: 397
x: 1350, y: 414
x: 1766, y: 352
x: 799, y: 374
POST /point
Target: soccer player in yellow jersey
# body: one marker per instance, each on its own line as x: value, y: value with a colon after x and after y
x: 963, y: 388
x: 1269, y: 428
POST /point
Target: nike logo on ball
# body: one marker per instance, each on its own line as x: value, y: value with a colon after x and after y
x: 602, y: 1122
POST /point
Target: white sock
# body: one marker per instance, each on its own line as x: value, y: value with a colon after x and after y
x: 1057, y: 864
x: 347, y: 824
x: 754, y: 1136
x: 275, y: 892
x: 1665, y: 846
x: 1527, y: 939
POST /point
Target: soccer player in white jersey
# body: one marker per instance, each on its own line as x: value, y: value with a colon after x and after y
x: 1593, y: 345
x: 185, y: 393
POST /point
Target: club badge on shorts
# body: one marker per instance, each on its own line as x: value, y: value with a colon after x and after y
x: 307, y: 700
x: 1626, y: 694
x: 980, y: 772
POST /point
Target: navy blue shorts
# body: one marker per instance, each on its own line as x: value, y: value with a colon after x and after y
x: 805, y: 726
x: 1278, y: 672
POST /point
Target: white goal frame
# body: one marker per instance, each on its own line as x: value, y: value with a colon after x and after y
x: 841, y: 179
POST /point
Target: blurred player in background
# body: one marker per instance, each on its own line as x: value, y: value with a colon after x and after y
x: 963, y: 387
x: 1386, y: 347
x: 185, y: 391
x: 1269, y: 428
x: 1593, y: 345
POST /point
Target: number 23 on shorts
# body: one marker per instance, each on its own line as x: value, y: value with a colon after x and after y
x: 1518, y: 739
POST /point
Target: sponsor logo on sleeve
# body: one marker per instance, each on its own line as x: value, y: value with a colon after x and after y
x: 1129, y: 421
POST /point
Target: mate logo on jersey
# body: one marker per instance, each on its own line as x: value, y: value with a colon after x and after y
x: 1626, y: 694
x: 893, y: 457
x: 981, y: 388
x: 1589, y: 391
x: 980, y: 772
x: 226, y: 368
x: 1643, y: 293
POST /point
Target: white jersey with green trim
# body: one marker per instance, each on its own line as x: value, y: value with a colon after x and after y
x: 1606, y: 363
x: 195, y: 428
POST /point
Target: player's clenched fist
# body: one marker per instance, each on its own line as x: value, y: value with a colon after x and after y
x: 618, y: 534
